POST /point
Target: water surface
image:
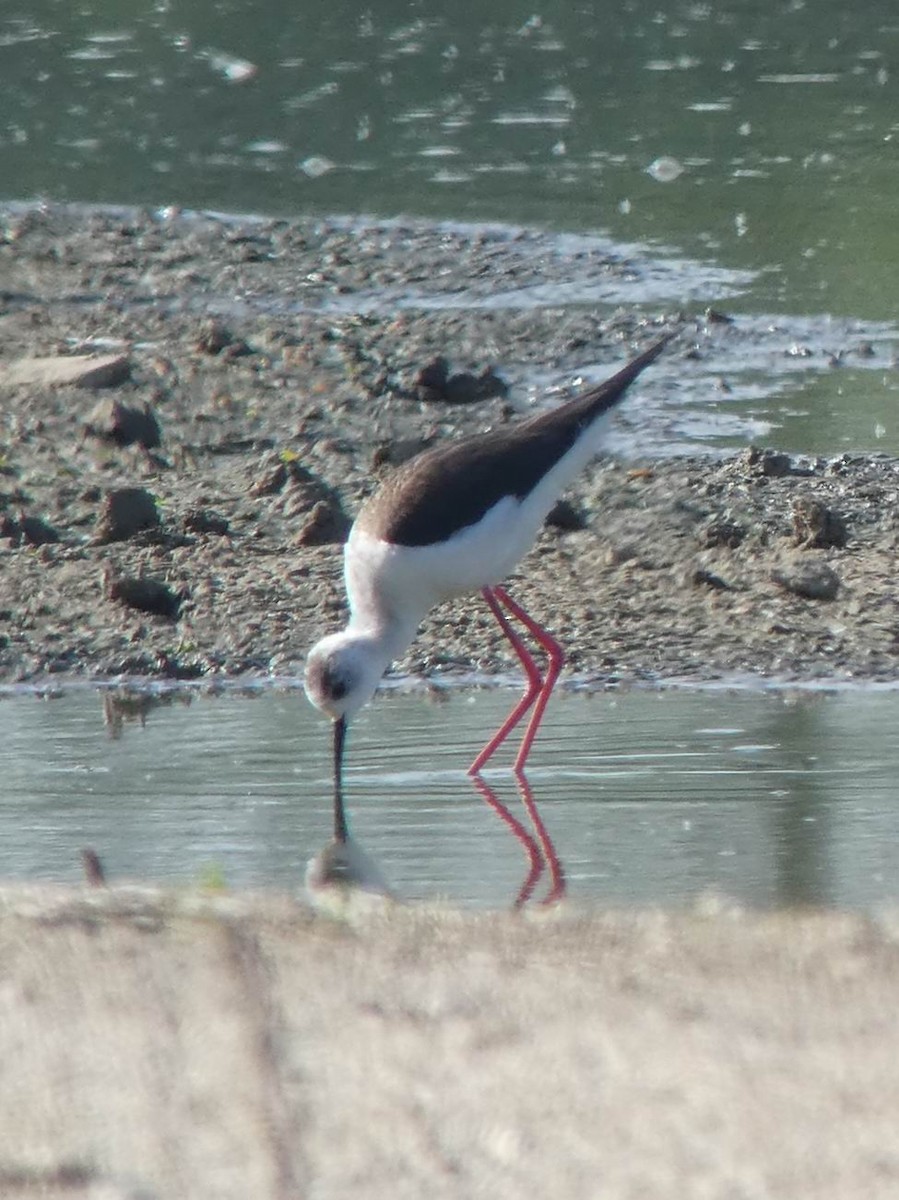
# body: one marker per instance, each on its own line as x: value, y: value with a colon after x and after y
x: 746, y: 151
x: 765, y: 798
x: 759, y: 134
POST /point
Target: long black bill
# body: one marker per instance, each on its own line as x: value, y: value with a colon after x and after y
x: 341, y: 832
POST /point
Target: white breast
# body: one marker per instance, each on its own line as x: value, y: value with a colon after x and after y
x: 387, y: 583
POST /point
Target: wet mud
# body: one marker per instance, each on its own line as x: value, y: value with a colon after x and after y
x: 193, y: 409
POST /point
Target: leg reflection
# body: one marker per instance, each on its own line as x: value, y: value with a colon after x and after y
x: 557, y: 884
x: 540, y: 851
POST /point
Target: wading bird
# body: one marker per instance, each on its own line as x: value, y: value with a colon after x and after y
x: 457, y: 519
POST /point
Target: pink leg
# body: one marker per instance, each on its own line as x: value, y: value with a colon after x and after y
x: 538, y: 689
x: 533, y: 685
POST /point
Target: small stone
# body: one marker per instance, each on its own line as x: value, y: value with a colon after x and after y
x: 704, y: 578
x: 768, y: 462
x: 126, y: 511
x: 434, y: 384
x: 73, y: 370
x: 119, y: 424
x: 722, y: 533
x: 431, y: 380
x: 271, y: 480
x: 817, y: 526
x: 326, y: 525
x: 296, y: 492
x: 284, y: 472
x: 842, y: 464
x: 398, y: 451
x: 490, y: 384
x: 202, y: 520
x: 565, y: 517
x: 144, y: 594
x: 216, y: 338
x: 28, y: 531
x: 814, y: 580
x: 621, y: 552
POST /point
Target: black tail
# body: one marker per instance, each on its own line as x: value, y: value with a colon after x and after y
x: 453, y: 485
x: 628, y: 374
x: 579, y: 412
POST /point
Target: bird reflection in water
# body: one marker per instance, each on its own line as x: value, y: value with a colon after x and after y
x: 342, y: 876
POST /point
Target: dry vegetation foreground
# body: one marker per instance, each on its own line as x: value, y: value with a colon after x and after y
x: 181, y: 1047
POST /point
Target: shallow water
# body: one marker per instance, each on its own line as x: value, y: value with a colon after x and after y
x: 769, y: 798
x: 743, y: 155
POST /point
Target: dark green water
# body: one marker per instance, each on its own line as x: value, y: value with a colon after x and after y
x: 780, y: 116
x: 745, y: 153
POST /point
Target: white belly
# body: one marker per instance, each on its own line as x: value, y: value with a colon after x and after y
x: 395, y: 580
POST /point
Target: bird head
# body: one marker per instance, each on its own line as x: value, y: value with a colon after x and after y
x: 342, y: 673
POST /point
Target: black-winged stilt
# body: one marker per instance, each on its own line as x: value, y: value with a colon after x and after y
x: 452, y: 520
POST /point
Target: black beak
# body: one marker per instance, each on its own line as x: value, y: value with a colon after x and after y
x: 341, y: 832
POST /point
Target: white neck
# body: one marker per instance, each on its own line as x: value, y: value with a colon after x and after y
x: 389, y: 636
x: 387, y: 604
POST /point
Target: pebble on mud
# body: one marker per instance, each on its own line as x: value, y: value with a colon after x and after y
x: 398, y: 451
x: 326, y: 525
x: 27, y: 531
x: 284, y: 472
x: 298, y: 492
x: 125, y: 512
x: 768, y: 462
x: 434, y: 384
x: 202, y: 520
x: 813, y: 580
x: 815, y: 526
x: 722, y: 532
x: 73, y: 370
x: 144, y: 593
x: 566, y: 517
x: 118, y: 424
x: 215, y: 338
x: 701, y: 577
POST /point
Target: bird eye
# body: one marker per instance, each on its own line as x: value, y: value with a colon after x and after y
x: 335, y: 685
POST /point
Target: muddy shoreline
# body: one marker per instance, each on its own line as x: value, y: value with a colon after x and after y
x: 276, y: 412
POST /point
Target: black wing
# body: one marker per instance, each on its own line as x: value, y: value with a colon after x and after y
x: 450, y: 487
